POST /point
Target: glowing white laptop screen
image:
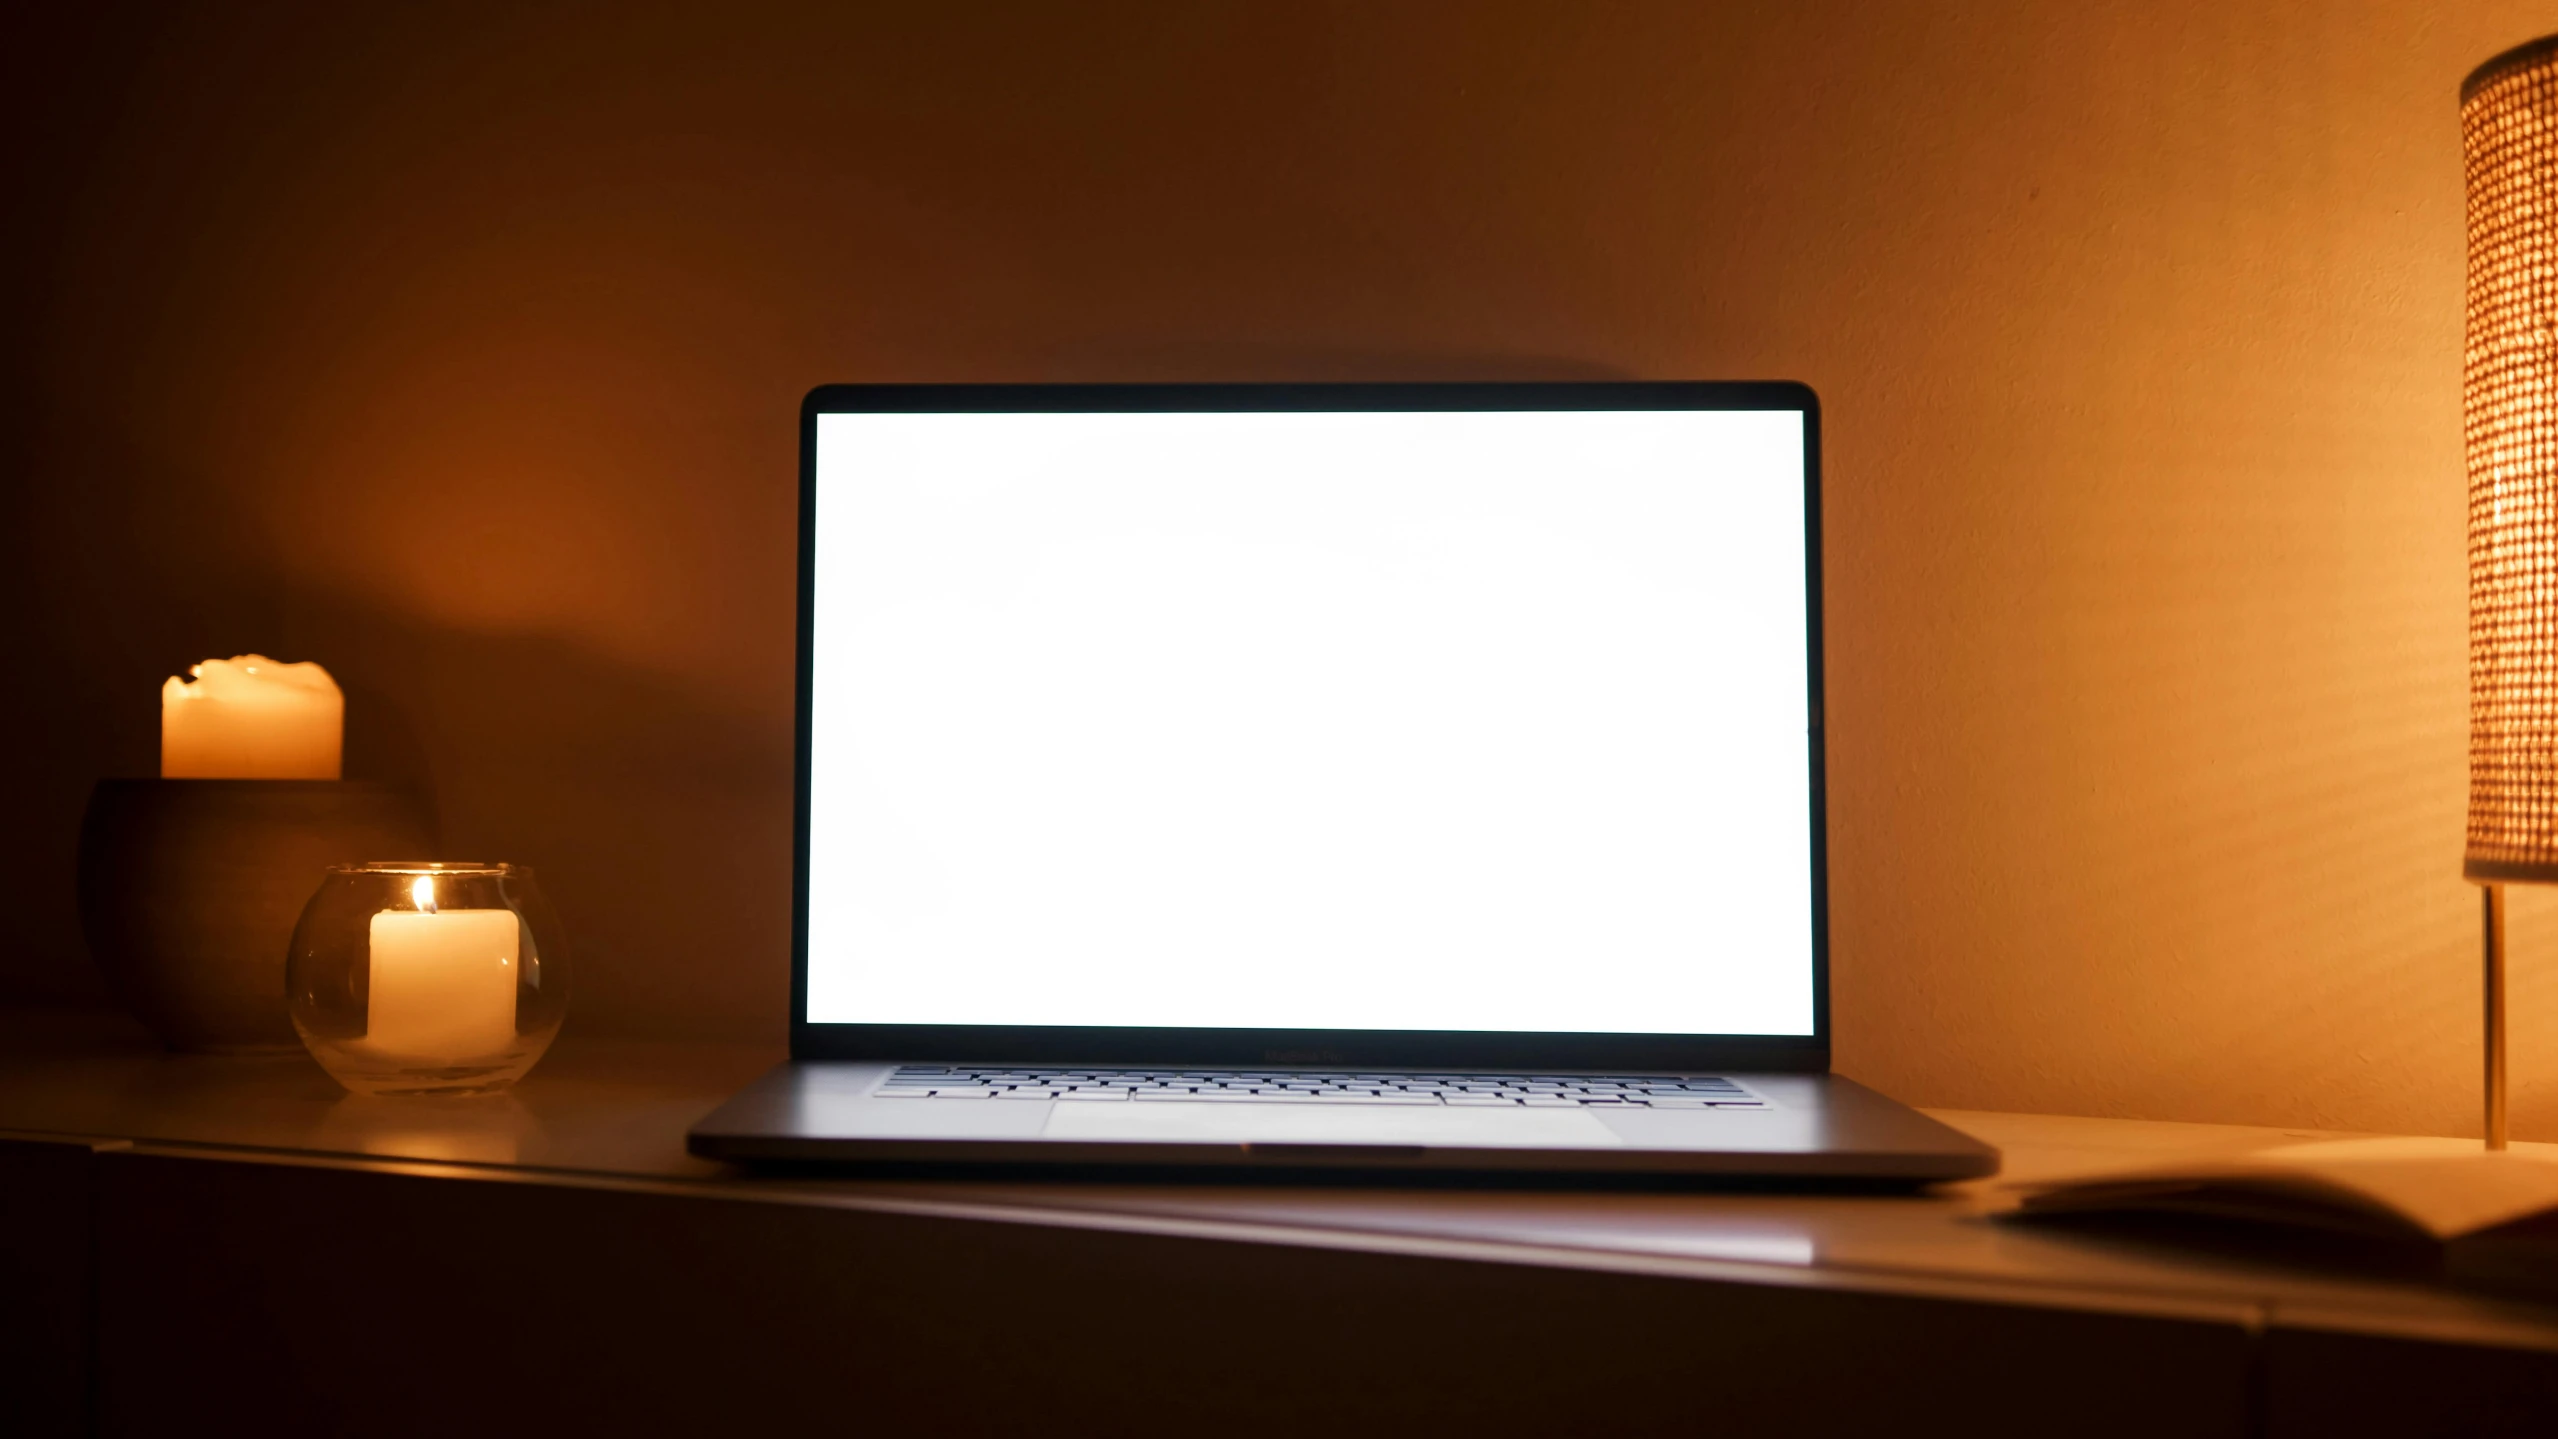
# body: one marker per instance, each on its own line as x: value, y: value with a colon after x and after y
x: 1464, y: 720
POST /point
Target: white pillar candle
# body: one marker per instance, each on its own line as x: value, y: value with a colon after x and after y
x: 443, y: 982
x: 248, y: 717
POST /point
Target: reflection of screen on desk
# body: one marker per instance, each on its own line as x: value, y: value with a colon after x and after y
x: 1455, y: 721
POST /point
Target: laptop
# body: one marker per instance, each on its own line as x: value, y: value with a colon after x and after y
x: 1315, y: 777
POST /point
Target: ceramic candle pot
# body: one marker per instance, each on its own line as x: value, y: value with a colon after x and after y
x: 190, y: 888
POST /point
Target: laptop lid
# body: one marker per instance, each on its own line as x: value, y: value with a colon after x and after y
x: 1464, y: 725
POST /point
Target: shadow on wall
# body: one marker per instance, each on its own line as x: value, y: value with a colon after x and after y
x: 1163, y: 360
x: 660, y: 824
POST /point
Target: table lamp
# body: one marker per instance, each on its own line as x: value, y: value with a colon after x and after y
x: 2509, y: 406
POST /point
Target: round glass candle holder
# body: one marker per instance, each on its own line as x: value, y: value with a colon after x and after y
x: 430, y: 979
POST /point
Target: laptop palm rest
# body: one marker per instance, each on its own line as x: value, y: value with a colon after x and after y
x: 1172, y: 1121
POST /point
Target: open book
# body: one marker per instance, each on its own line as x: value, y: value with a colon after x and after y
x: 2494, y: 1215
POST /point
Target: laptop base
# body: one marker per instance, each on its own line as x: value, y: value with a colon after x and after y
x: 1810, y: 1126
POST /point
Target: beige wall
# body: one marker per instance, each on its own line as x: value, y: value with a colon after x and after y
x: 461, y: 355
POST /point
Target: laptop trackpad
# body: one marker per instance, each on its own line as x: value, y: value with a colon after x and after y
x: 1226, y: 1122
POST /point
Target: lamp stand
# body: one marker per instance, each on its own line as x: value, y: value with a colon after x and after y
x: 2495, y: 914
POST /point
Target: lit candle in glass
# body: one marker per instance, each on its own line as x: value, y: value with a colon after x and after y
x: 248, y: 717
x: 427, y: 978
x: 443, y: 981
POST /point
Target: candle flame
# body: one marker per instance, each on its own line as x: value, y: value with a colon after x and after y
x: 422, y: 891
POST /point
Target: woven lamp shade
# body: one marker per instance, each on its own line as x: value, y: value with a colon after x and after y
x: 2509, y: 391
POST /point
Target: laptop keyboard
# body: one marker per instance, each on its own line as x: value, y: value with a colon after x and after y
x: 1534, y: 1091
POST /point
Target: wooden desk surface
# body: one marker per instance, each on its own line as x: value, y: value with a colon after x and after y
x: 613, y: 1113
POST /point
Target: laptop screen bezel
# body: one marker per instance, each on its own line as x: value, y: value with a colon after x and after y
x: 1389, y: 1049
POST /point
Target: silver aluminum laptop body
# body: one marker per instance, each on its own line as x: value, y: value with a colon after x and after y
x: 1315, y: 777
